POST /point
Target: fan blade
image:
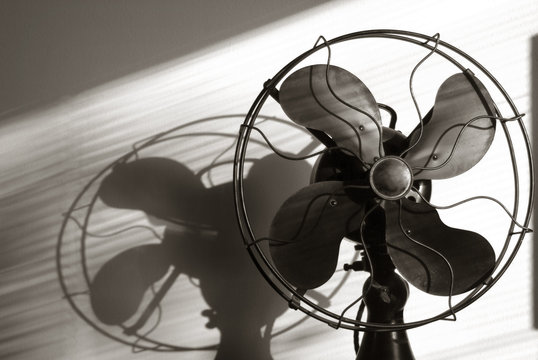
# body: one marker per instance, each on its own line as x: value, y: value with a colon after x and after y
x: 442, y: 149
x: 411, y: 224
x: 307, y: 231
x: 331, y: 99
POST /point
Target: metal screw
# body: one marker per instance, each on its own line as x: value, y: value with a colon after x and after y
x: 435, y: 157
x: 361, y: 128
x: 355, y: 266
x: 333, y: 202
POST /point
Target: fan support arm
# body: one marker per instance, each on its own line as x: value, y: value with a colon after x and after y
x: 385, y: 295
x: 385, y: 301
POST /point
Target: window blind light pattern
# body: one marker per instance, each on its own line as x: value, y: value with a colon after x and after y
x: 50, y: 152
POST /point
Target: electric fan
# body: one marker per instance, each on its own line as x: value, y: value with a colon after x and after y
x: 373, y: 185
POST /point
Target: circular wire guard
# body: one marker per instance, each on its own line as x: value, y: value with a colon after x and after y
x: 296, y: 299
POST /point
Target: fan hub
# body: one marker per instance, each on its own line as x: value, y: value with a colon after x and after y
x: 391, y: 178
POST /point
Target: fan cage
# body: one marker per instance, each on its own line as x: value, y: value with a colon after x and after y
x: 297, y: 300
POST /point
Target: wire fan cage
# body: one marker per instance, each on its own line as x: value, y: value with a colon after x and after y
x: 520, y: 157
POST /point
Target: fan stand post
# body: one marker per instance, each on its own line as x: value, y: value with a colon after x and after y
x: 385, y: 301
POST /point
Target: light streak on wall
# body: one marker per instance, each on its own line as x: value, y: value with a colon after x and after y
x: 49, y: 153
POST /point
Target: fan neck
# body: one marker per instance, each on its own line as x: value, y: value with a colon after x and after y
x: 385, y: 301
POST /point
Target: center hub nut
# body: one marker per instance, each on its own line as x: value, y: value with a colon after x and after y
x: 391, y: 178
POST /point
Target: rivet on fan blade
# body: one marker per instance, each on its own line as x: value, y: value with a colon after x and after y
x: 435, y: 157
x: 361, y: 128
x: 333, y: 202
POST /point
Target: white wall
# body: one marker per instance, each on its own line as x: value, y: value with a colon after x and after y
x: 50, y: 151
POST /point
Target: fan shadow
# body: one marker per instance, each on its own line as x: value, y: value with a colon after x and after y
x: 240, y: 302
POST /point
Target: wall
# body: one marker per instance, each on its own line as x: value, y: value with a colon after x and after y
x: 85, y: 84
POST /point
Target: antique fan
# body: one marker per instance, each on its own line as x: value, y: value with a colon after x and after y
x: 372, y: 185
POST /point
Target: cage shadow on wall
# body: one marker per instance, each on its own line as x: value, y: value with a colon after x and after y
x: 150, y: 255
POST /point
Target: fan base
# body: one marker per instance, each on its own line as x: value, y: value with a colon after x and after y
x: 385, y: 346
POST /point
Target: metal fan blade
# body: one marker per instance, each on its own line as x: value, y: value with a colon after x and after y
x: 451, y: 143
x: 333, y: 100
x: 421, y: 247
x: 307, y: 230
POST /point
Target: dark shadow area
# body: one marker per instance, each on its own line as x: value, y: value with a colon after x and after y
x: 201, y: 240
x: 534, y: 109
x: 240, y: 302
x: 61, y: 47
